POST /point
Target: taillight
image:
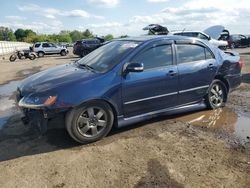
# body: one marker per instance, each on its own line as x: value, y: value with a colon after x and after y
x: 241, y: 63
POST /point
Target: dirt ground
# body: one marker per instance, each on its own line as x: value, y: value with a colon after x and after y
x: 198, y: 149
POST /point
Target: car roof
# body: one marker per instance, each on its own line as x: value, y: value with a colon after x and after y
x: 157, y: 37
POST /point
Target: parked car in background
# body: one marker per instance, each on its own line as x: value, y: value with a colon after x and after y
x: 238, y: 40
x: 130, y: 80
x: 85, y: 46
x: 46, y: 48
x: 216, y: 35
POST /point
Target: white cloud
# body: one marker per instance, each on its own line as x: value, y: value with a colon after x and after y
x: 106, y: 3
x: 28, y: 7
x: 52, y: 13
x: 191, y: 15
x: 15, y: 18
x: 157, y: 1
x: 53, y: 26
x: 76, y: 13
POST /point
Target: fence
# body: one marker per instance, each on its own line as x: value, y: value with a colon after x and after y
x: 8, y: 47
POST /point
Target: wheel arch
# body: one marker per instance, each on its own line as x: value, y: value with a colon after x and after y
x: 225, y: 82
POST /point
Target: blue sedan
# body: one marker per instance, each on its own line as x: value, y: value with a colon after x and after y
x: 130, y: 80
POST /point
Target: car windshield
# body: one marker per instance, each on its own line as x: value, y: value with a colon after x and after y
x: 106, y: 57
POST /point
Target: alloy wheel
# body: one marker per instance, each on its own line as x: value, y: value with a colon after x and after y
x: 92, y: 121
x: 216, y: 95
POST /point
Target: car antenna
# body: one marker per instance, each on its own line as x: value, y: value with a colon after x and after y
x: 183, y: 30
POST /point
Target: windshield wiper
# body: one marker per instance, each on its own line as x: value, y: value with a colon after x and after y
x: 86, y: 66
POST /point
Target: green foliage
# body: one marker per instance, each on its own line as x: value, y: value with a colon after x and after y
x: 75, y: 35
x: 108, y: 37
x: 123, y: 36
x: 7, y: 34
x: 27, y: 35
x: 23, y: 34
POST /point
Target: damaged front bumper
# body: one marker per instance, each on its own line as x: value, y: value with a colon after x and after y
x: 35, y: 118
x: 37, y: 115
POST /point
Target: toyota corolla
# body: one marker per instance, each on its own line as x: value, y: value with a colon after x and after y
x: 130, y: 80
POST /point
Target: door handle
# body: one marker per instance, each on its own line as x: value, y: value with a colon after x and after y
x: 172, y: 73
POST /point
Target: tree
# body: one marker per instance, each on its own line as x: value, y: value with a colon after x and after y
x: 22, y: 35
x: 123, y: 36
x: 87, y: 34
x: 108, y: 37
x: 7, y: 34
x: 76, y: 35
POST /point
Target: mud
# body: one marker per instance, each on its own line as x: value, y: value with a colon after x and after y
x: 7, y: 100
x: 224, y: 120
x: 197, y: 149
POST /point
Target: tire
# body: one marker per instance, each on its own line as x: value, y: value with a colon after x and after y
x: 217, y: 95
x: 233, y: 46
x: 13, y: 58
x: 82, y: 54
x: 32, y: 57
x: 90, y: 122
x: 63, y: 53
x: 40, y: 54
x: 223, y: 48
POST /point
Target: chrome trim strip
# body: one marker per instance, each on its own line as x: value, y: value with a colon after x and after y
x: 163, y: 110
x: 148, y: 98
x: 168, y: 94
x: 192, y: 89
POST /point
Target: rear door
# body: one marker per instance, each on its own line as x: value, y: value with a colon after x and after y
x: 46, y: 47
x: 156, y: 87
x: 197, y: 68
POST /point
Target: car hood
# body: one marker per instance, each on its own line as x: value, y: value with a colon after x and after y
x: 55, y: 77
x: 214, y: 31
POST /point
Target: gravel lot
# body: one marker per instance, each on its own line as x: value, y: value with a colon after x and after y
x: 199, y: 149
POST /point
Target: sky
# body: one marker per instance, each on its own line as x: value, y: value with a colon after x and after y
x: 121, y: 17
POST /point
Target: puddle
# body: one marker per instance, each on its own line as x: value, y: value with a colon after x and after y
x: 8, y: 89
x: 223, y: 119
x: 7, y: 101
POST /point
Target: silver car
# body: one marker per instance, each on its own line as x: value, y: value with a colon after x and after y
x: 46, y: 48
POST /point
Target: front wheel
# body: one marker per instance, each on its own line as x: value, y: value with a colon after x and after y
x: 32, y: 56
x: 217, y: 95
x: 13, y: 57
x: 90, y: 122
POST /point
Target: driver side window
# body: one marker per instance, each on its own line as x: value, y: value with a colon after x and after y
x: 155, y: 57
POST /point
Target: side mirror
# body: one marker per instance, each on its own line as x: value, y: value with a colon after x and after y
x: 134, y: 67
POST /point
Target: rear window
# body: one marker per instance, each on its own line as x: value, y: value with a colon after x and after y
x: 188, y: 53
x: 37, y: 45
x: 209, y: 54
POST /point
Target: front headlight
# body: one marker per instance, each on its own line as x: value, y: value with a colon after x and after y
x: 37, y: 102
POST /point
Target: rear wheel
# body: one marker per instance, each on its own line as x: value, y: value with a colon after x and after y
x: 63, y: 53
x: 217, y: 95
x: 233, y: 45
x: 40, y: 54
x: 90, y: 122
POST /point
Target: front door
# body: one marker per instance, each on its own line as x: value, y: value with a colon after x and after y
x: 156, y: 87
